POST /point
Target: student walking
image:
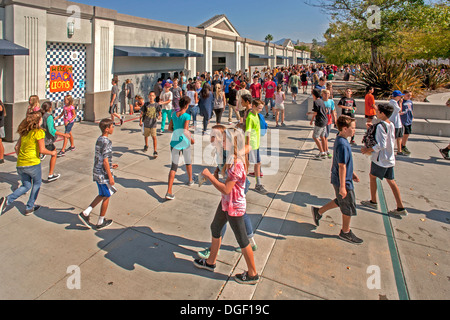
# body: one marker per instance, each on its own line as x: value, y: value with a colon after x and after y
x: 348, y: 106
x: 193, y: 109
x: 383, y: 160
x: 269, y: 92
x: 232, y: 104
x: 48, y: 124
x: 293, y: 84
x: 206, y: 105
x: 320, y: 120
x: 31, y: 143
x: 165, y: 100
x: 407, y: 117
x: 180, y: 144
x: 396, y: 102
x: 114, y: 101
x: 370, y: 107
x: 219, y: 102
x: 69, y: 114
x: 231, y: 209
x: 150, y: 114
x: 280, y: 97
x: 342, y: 177
x: 103, y: 176
x: 2, y: 132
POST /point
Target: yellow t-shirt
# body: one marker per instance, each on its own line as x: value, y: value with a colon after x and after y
x: 29, y: 149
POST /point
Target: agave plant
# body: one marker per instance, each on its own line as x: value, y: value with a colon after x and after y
x: 387, y: 75
x: 432, y: 76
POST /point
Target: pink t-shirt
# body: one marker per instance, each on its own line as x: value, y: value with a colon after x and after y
x: 69, y: 113
x: 235, y: 204
x: 270, y: 87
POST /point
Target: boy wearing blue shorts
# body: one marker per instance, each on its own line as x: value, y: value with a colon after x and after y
x: 103, y: 176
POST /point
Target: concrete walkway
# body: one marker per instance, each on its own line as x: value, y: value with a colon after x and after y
x: 148, y: 252
x: 439, y: 98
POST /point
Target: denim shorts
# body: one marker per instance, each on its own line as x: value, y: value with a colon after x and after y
x: 69, y: 127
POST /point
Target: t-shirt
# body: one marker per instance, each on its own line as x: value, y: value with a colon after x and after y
x: 179, y: 140
x: 130, y: 88
x: 383, y: 154
x: 348, y: 102
x: 279, y: 101
x: 270, y: 87
x: 29, y: 149
x: 176, y: 92
x: 150, y: 114
x: 329, y: 104
x: 321, y: 119
x: 2, y: 117
x: 69, y: 113
x: 294, y: 81
x: 304, y: 77
x: 115, y: 91
x: 103, y: 150
x: 166, y: 96
x: 395, y: 117
x: 342, y: 155
x: 253, y: 129
x: 232, y: 97
x: 255, y: 88
x: 407, y: 108
x: 370, y: 101
x: 235, y: 204
x: 226, y: 85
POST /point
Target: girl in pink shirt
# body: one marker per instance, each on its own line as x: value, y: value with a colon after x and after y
x: 69, y: 113
x: 232, y: 207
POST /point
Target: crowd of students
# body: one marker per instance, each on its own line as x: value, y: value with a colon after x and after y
x: 178, y: 102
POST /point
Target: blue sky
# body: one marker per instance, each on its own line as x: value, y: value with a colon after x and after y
x: 253, y: 19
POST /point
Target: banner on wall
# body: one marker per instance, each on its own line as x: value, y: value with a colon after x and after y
x: 61, y: 78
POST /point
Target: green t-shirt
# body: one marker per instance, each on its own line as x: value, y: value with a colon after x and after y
x: 253, y: 129
x: 294, y: 81
x: 179, y: 140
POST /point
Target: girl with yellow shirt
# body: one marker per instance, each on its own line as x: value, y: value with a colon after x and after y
x: 30, y: 145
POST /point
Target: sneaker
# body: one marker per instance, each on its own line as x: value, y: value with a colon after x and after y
x: 329, y: 155
x: 316, y: 215
x: 318, y: 156
x: 283, y: 124
x: 145, y: 148
x: 254, y: 248
x: 170, y: 196
x: 86, y: 220
x: 201, y: 264
x: 42, y: 157
x: 121, y: 121
x: 350, y: 237
x: 190, y: 183
x: 2, y: 204
x: 155, y: 154
x: 204, y: 254
x: 61, y: 154
x: 106, y: 223
x: 53, y: 177
x: 406, y: 151
x: 353, y: 142
x: 444, y: 154
x: 261, y: 175
x: 277, y: 126
x: 260, y: 189
x: 399, y: 212
x: 70, y: 149
x: 401, y: 153
x: 29, y: 212
x: 246, y: 279
x: 267, y: 115
x: 370, y: 204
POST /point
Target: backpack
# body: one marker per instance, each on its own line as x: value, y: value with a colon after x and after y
x: 264, y: 125
x: 369, y: 139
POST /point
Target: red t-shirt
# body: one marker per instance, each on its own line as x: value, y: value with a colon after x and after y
x: 255, y: 88
x: 270, y: 88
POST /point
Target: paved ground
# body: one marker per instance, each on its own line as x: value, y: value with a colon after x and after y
x: 148, y: 252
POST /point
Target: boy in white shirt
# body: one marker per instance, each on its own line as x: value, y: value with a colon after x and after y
x: 383, y: 160
x: 396, y: 103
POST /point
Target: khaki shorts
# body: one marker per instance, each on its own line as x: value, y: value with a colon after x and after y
x: 149, y: 132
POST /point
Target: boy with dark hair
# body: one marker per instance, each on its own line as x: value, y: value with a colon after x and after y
x: 383, y: 160
x: 407, y: 118
x: 103, y: 176
x: 348, y: 106
x: 150, y: 113
x: 320, y: 119
x: 342, y: 177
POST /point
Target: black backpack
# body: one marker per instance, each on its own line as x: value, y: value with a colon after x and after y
x: 369, y: 139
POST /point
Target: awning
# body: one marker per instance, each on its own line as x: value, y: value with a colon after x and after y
x: 260, y: 56
x: 283, y: 57
x: 8, y: 48
x: 120, y: 51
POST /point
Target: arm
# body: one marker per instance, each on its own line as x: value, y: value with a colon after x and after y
x: 187, y: 133
x: 224, y: 188
x: 43, y: 150
x: 108, y: 171
x: 342, y: 175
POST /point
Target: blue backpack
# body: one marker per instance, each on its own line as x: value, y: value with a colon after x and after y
x: 263, y: 124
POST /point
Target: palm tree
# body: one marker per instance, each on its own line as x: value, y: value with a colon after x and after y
x: 268, y: 38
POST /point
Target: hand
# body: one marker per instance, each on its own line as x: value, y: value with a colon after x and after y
x: 115, y: 166
x: 140, y: 124
x: 54, y: 153
x: 343, y: 192
x: 365, y: 150
x: 192, y: 141
x: 66, y: 135
x: 112, y: 182
x: 355, y: 178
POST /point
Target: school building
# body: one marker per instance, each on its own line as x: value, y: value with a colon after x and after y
x: 52, y: 48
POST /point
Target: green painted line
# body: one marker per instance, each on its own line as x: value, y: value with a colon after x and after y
x: 395, y: 257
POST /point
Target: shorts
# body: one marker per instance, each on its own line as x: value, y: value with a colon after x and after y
x: 105, y: 190
x: 408, y: 129
x: 294, y: 90
x: 176, y: 157
x: 269, y: 100
x: 149, y: 132
x: 347, y: 205
x: 305, y: 84
x: 254, y: 157
x: 382, y: 173
x: 279, y: 107
x: 398, y: 133
x: 131, y: 101
x: 50, y: 147
x: 2, y: 132
x: 319, y: 132
x: 113, y: 109
x: 69, y: 127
